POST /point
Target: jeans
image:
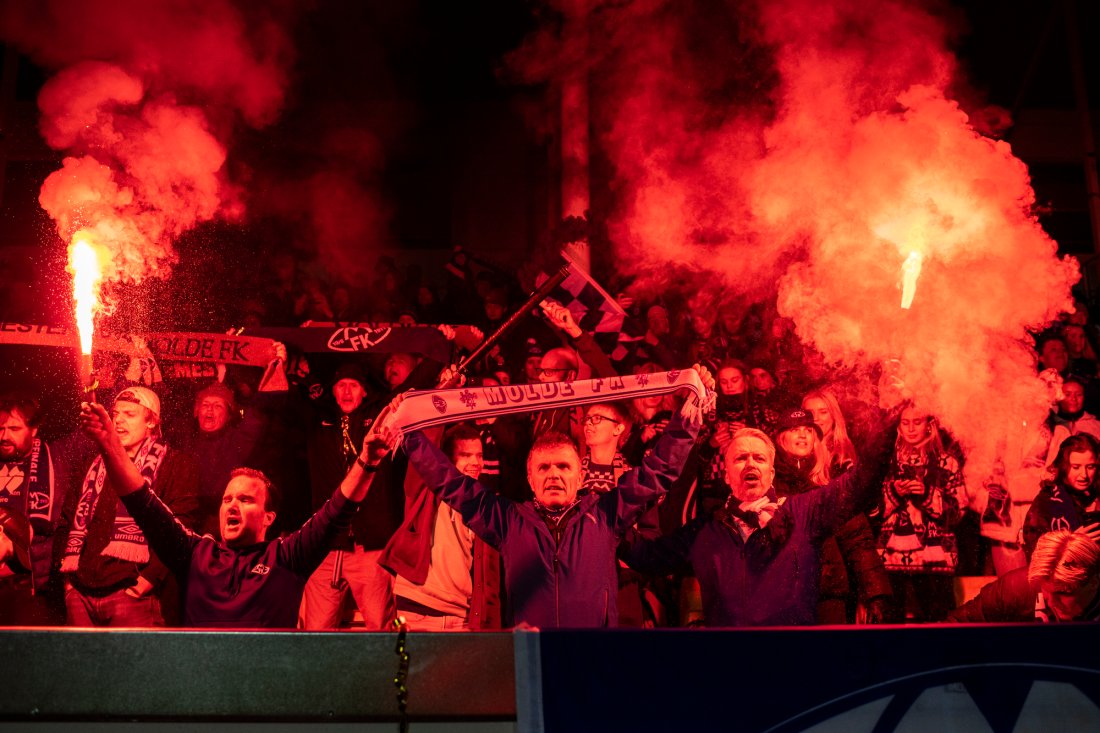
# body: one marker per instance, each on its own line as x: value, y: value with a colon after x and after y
x: 360, y: 577
x: 115, y: 609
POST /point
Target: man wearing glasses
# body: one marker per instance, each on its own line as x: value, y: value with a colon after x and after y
x: 563, y: 365
x: 605, y: 424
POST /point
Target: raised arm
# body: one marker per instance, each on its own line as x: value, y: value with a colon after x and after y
x: 644, y: 485
x: 170, y: 540
x: 97, y: 425
x: 856, y: 490
x: 641, y: 487
x: 482, y: 510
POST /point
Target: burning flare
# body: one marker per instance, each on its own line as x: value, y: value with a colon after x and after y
x: 910, y: 271
x: 87, y: 274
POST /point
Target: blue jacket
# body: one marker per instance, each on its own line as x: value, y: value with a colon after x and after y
x: 770, y: 578
x: 259, y: 586
x: 571, y: 583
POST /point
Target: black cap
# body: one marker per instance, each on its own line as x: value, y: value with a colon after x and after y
x: 796, y: 417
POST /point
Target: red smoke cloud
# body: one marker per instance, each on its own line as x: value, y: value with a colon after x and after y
x: 143, y: 104
x: 803, y: 149
x: 334, y: 203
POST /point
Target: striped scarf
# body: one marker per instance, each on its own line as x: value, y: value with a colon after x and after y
x: 127, y: 542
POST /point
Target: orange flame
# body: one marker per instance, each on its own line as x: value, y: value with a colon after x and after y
x: 87, y: 274
x: 910, y: 270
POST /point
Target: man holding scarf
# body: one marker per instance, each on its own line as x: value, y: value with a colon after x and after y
x: 559, y: 549
x: 111, y: 577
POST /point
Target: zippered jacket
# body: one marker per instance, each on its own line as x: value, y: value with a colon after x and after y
x: 570, y: 582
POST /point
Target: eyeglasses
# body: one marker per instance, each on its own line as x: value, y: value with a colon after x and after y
x: 543, y: 372
x: 597, y: 419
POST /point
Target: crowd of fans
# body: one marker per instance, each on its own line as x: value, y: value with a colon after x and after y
x: 800, y: 498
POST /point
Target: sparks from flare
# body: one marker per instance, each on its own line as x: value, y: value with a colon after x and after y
x: 910, y: 271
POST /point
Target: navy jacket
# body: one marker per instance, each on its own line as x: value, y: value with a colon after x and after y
x: 771, y: 578
x: 571, y: 583
x: 259, y: 586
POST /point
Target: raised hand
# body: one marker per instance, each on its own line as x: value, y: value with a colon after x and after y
x: 560, y: 317
x: 97, y: 424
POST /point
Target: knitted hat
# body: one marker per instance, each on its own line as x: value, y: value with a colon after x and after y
x: 219, y: 390
x: 796, y: 417
x: 350, y: 370
x: 142, y: 396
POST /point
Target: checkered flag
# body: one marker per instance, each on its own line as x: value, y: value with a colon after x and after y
x: 596, y: 312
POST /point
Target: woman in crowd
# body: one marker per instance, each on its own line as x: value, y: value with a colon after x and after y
x: 1072, y: 498
x: 732, y: 412
x: 824, y: 407
x: 923, y: 501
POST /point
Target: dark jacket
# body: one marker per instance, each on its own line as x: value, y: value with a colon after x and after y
x: 221, y: 452
x: 259, y: 586
x: 328, y: 464
x: 1009, y: 599
x: 771, y: 578
x: 849, y: 556
x: 571, y: 582
x: 1057, y: 507
x: 1012, y: 599
x: 177, y: 485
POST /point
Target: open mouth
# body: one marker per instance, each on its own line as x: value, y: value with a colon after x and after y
x: 750, y: 475
x: 232, y: 522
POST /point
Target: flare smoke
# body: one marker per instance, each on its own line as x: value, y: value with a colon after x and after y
x: 143, y: 103
x: 803, y: 150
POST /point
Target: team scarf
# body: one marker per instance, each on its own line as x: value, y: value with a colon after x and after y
x: 423, y: 409
x: 127, y: 541
x: 38, y: 497
x: 601, y: 478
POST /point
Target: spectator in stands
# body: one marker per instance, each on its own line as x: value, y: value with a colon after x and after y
x: 559, y: 550
x: 33, y: 478
x: 351, y: 567
x: 823, y: 405
x: 923, y: 501
x: 1053, y: 353
x: 852, y: 573
x: 224, y: 439
x: 1071, y: 417
x: 446, y: 578
x: 242, y: 580
x: 733, y: 411
x: 1061, y: 584
x: 758, y: 558
x: 112, y: 578
x: 1072, y: 498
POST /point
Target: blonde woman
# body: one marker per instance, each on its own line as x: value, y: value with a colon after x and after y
x: 823, y: 405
